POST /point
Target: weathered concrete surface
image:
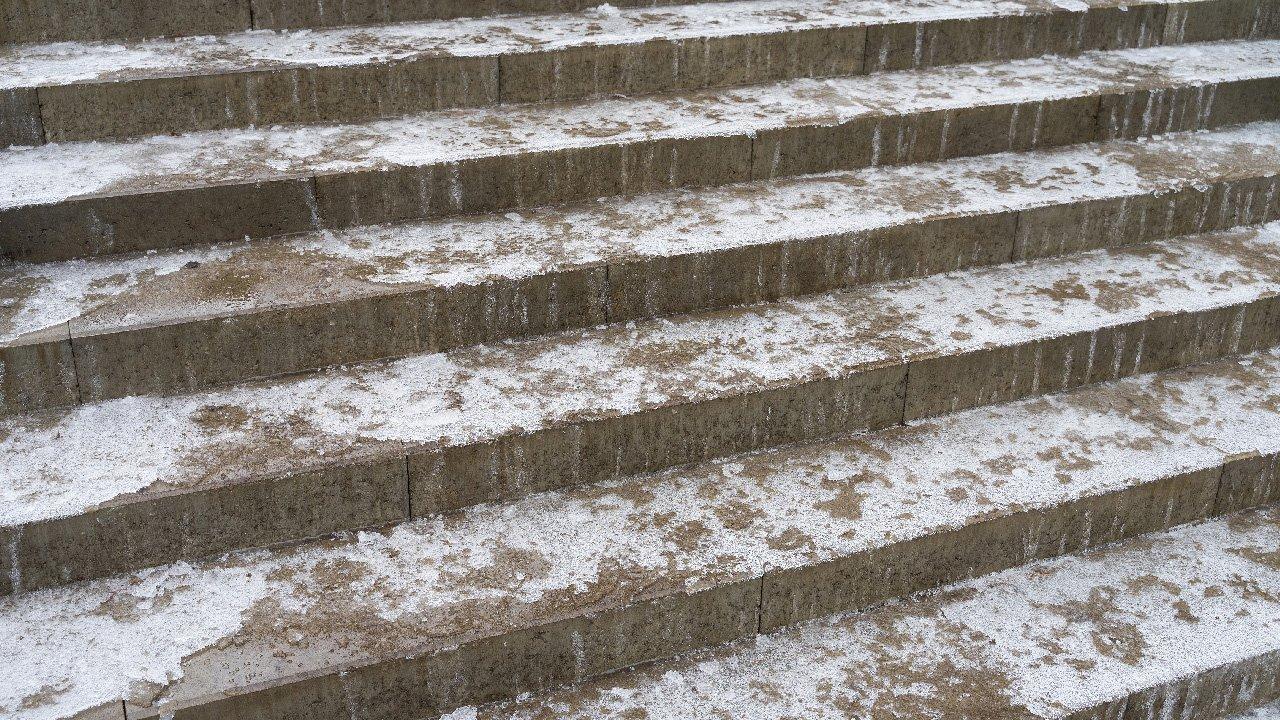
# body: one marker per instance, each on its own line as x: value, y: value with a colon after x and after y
x: 32, y: 21
x: 188, y: 319
x: 494, y: 422
x: 69, y: 200
x: 1177, y: 624
x: 20, y: 118
x: 38, y: 371
x: 565, y: 585
x: 95, y: 91
x: 36, y: 21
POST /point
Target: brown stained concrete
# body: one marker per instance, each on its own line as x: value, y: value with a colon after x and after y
x: 600, y: 446
x: 265, y: 92
x: 139, y: 218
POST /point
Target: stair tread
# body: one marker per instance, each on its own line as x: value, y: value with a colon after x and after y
x: 260, y: 615
x: 130, y: 449
x: 65, y: 63
x: 1044, y: 641
x: 265, y: 456
x: 117, y: 293
x: 64, y: 171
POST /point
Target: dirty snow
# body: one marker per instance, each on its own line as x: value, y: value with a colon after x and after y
x: 272, y: 613
x: 62, y: 171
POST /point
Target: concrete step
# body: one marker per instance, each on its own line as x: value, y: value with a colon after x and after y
x: 140, y: 481
x: 194, y: 318
x: 563, y: 586
x: 1178, y: 624
x: 80, y: 199
x: 43, y: 21
x: 94, y: 91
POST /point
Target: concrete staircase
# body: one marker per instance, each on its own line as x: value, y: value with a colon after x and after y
x: 734, y: 359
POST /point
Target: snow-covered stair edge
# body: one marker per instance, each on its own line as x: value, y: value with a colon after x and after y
x: 95, y: 91
x: 82, y: 199
x: 192, y: 318
x: 68, y: 21
x: 1183, y: 623
x: 563, y: 585
x: 127, y: 483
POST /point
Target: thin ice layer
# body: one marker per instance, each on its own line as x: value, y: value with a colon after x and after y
x: 62, y: 171
x: 430, y: 583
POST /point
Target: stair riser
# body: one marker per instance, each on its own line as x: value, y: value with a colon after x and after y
x: 266, y: 510
x: 188, y: 525
x: 129, y: 222
x: 57, y: 20
x: 577, y: 648
x: 28, y: 21
x: 353, y: 93
x: 1218, y: 692
x: 211, y: 352
x: 20, y: 118
x: 462, y: 476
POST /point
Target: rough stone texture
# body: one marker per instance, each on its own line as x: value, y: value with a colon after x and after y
x: 28, y: 21
x: 279, y: 14
x: 512, y: 466
x: 142, y: 221
x: 1167, y: 339
x: 1175, y: 624
x: 95, y: 91
x: 191, y: 319
x: 502, y: 666
x: 573, y: 444
x: 20, y: 118
x: 530, y: 179
x: 37, y: 371
x: 1248, y: 481
x: 495, y: 422
x: 201, y: 523
x: 659, y: 65
x: 31, y: 21
x: 473, y: 161
x: 1007, y: 540
x: 1206, y: 21
x: 262, y: 98
x: 222, y: 350
x: 562, y: 586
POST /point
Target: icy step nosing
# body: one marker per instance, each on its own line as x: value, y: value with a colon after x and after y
x: 803, y: 530
x: 439, y: 432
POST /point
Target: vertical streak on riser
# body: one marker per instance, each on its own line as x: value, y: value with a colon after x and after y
x: 20, y: 122
x: 510, y: 465
x: 362, y: 92
x: 72, y: 367
x: 27, y: 21
x: 38, y: 21
x: 579, y: 648
x: 143, y: 221
x: 1215, y: 693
